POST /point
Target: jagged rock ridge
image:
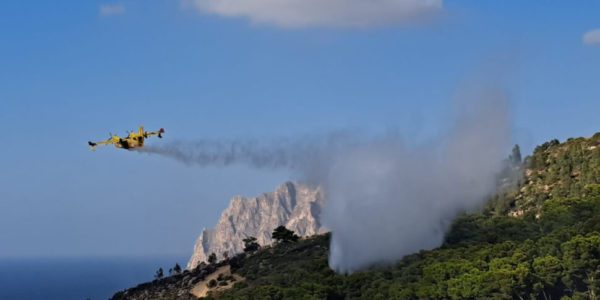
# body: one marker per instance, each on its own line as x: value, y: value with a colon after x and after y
x: 296, y: 206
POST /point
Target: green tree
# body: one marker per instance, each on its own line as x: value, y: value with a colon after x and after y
x: 515, y: 156
x: 547, y: 271
x: 159, y: 274
x: 581, y: 260
x: 212, y: 258
x: 466, y: 286
x: 177, y: 269
x: 250, y: 245
x: 212, y: 283
x: 283, y: 235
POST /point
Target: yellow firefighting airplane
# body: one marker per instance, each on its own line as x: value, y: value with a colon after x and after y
x: 132, y: 141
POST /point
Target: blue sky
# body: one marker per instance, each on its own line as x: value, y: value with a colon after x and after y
x: 69, y: 73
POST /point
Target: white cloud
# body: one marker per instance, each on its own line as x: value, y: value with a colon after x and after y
x: 592, y: 37
x: 323, y: 13
x: 107, y: 10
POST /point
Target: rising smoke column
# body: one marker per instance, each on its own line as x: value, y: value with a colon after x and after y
x: 384, y: 199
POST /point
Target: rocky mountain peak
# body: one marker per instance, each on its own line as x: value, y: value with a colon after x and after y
x: 294, y: 205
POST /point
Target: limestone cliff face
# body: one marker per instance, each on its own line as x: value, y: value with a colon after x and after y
x: 297, y: 207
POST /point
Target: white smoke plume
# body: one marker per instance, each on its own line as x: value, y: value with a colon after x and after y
x: 385, y: 199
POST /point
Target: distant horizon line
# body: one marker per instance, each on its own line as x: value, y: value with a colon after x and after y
x: 97, y: 257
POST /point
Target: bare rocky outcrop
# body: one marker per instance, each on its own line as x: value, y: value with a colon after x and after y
x: 296, y: 206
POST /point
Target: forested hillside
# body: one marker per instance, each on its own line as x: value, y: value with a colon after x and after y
x: 539, y: 239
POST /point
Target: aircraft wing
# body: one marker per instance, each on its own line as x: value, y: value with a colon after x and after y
x: 152, y: 133
x: 107, y: 142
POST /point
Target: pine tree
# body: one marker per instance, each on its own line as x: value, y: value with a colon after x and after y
x: 159, y: 274
x: 515, y: 156
x: 212, y: 258
x: 250, y: 245
x: 177, y: 269
x: 282, y: 235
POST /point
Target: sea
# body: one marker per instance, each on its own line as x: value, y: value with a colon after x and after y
x: 77, y: 278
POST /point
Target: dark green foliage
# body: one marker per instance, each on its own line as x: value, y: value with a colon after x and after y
x: 515, y: 156
x: 212, y: 259
x: 550, y: 250
x: 274, y: 272
x: 177, y: 269
x: 212, y: 283
x: 159, y: 274
x: 562, y: 170
x: 284, y: 235
x: 250, y: 245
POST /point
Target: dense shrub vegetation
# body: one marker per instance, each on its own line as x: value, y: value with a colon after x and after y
x: 538, y: 240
